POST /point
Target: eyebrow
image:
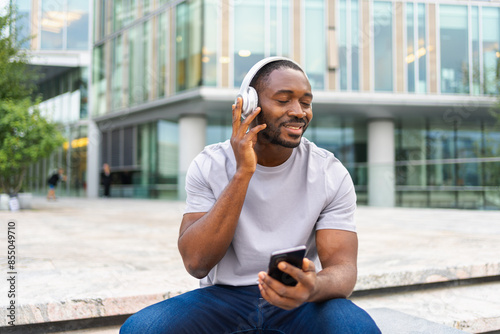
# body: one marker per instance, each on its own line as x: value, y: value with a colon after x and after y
x: 286, y: 91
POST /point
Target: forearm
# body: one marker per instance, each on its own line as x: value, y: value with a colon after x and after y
x: 336, y: 281
x: 203, y: 243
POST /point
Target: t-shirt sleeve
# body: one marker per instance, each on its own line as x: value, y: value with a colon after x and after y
x: 338, y: 212
x: 199, y: 194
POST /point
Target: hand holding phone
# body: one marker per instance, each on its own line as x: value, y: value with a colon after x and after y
x: 293, y: 256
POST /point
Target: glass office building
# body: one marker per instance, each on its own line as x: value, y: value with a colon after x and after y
x: 59, y: 48
x: 402, y: 89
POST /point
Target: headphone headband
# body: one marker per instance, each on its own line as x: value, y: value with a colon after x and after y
x: 249, y: 94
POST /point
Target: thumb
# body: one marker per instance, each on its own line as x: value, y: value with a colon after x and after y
x: 308, y: 265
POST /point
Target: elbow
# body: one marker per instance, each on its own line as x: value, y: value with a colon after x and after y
x: 195, y: 264
x: 196, y: 268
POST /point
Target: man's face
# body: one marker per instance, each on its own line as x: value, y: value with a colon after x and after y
x: 285, y: 100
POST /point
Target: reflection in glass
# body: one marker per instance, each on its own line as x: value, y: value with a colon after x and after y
x: 52, y: 25
x: 343, y: 44
x: 188, y: 42
x: 476, y: 80
x: 410, y: 49
x: 117, y: 73
x: 382, y: 31
x: 491, y: 49
x: 422, y: 50
x: 249, y: 21
x: 163, y: 56
x: 314, y: 44
x: 23, y: 22
x: 210, y: 50
x: 98, y: 82
x: 453, y: 29
x: 77, y: 21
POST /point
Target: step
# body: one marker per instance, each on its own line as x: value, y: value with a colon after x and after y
x: 394, y: 322
x: 473, y: 308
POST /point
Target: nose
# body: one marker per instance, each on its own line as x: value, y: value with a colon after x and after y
x: 296, y: 110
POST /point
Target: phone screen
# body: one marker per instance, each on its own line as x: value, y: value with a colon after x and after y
x: 293, y: 256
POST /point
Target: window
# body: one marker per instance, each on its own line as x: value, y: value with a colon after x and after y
x: 491, y: 49
x: 382, y: 40
x: 454, y: 49
x: 64, y: 25
x: 77, y: 20
x: 249, y: 37
x: 315, y: 43
x: 23, y: 22
x: 269, y: 24
x: 349, y: 44
x: 188, y: 43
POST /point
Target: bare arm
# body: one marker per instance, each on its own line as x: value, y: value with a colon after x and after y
x: 337, y: 252
x: 205, y: 237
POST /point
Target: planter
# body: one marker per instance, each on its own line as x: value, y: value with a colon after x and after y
x: 23, y: 202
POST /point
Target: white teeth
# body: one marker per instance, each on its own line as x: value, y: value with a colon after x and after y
x: 293, y: 127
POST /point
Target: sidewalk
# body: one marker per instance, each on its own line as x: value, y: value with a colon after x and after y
x: 82, y: 258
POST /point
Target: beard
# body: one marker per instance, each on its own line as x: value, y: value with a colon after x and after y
x: 272, y: 133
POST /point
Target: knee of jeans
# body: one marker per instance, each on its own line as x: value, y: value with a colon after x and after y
x: 128, y: 326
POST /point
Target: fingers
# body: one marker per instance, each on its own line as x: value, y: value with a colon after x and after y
x: 242, y: 127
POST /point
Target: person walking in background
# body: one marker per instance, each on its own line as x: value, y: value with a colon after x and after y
x: 106, y: 180
x: 53, y: 181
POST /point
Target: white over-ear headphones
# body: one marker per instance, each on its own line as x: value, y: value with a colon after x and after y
x: 249, y: 94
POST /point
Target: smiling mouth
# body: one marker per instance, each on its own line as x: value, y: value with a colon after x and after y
x: 293, y: 127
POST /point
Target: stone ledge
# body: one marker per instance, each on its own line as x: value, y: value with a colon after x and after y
x: 393, y: 322
x: 431, y: 275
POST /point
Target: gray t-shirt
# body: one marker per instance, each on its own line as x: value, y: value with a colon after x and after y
x: 283, y: 208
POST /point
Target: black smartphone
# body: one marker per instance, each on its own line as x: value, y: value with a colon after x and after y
x: 293, y: 256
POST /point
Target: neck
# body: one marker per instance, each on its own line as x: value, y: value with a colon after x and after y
x: 271, y: 155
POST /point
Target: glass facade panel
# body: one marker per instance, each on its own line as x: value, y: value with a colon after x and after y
x: 422, y: 49
x: 147, y: 60
x: 491, y: 49
x: 23, y: 22
x: 315, y: 43
x: 98, y: 82
x: 285, y: 28
x: 410, y: 47
x: 453, y: 32
x: 249, y: 16
x: 124, y: 12
x: 163, y: 53
x: 382, y: 32
x: 349, y: 44
x: 476, y: 80
x: 77, y: 21
x: 188, y: 45
x: 355, y: 32
x: 210, y: 49
x: 52, y: 25
x: 342, y: 42
x: 117, y: 73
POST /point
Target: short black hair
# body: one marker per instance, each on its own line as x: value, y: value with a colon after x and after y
x: 263, y: 74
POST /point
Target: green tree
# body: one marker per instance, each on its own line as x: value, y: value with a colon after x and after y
x: 25, y: 138
x: 17, y: 79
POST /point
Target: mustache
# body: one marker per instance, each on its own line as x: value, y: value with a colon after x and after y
x: 296, y: 120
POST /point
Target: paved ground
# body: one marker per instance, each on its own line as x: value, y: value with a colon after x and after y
x: 80, y: 258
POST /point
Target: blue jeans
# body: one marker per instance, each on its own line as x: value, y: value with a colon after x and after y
x: 226, y: 309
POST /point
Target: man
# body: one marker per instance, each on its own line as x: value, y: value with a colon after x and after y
x: 53, y: 181
x: 106, y: 179
x: 266, y: 189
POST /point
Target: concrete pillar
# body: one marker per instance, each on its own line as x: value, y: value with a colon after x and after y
x: 192, y: 134
x: 381, y: 156
x: 93, y: 175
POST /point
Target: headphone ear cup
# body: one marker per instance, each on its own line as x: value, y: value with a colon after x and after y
x: 250, y: 102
